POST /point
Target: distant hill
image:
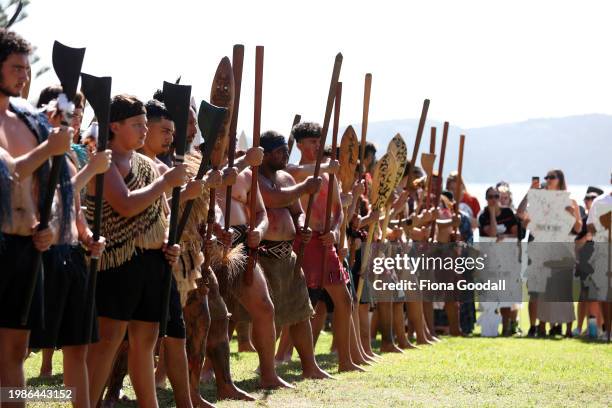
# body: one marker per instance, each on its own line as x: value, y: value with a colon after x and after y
x: 579, y: 145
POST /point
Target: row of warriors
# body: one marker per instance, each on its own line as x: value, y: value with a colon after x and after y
x: 265, y: 268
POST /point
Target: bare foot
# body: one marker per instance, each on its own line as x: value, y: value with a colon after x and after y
x: 350, y: 367
x: 230, y: 391
x: 317, y: 374
x: 390, y: 348
x: 207, y: 376
x: 362, y: 361
x: 199, y: 402
x: 407, y: 346
x: 424, y: 342
x: 274, y: 382
x: 246, y: 347
x: 369, y: 359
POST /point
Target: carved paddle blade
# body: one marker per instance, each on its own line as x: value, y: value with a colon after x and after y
x: 67, y: 63
x: 97, y: 91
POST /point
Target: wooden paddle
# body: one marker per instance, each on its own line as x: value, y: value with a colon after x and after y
x: 237, y: 62
x: 177, y: 99
x: 221, y: 95
x: 98, y: 92
x: 417, y: 142
x: 367, y: 87
x: 296, y: 120
x: 330, y: 100
x: 349, y: 154
x: 432, y: 158
x: 259, y: 60
x: 382, y: 187
x: 398, y: 148
x: 459, y: 183
x: 332, y: 179
x: 439, y: 178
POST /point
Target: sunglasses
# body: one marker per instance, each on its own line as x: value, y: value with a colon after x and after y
x: 493, y: 196
x: 550, y: 177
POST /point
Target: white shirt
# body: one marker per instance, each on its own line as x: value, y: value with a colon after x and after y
x: 601, y: 205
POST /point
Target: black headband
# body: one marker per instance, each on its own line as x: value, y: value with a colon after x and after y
x: 271, y: 144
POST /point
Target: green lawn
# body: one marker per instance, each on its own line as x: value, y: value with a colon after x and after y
x: 456, y: 372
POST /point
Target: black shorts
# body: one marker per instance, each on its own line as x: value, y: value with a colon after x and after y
x: 133, y: 291
x: 65, y: 283
x: 316, y: 294
x: 17, y: 256
x: 176, y: 324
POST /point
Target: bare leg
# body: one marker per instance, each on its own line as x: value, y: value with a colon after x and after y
x: 533, y: 312
x: 364, y: 330
x: 197, y: 323
x: 301, y: 335
x: 178, y: 373
x: 341, y: 324
x: 257, y: 302
x: 505, y: 314
x: 429, y: 319
x: 142, y: 339
x: 13, y: 352
x: 160, y: 370
x: 284, y: 349
x: 46, y: 367
x: 101, y: 355
x: 357, y: 354
x: 399, y: 327
x: 582, y: 313
x: 217, y: 352
x: 375, y: 323
x: 318, y: 320
x: 243, y: 331
x: 452, y: 311
x: 385, y: 319
x: 357, y: 331
x: 416, y: 318
x: 118, y: 373
x: 75, y: 373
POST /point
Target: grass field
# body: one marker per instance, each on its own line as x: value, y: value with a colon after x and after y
x: 457, y: 372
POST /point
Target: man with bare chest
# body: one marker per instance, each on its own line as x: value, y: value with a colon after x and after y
x: 307, y: 137
x: 254, y: 297
x: 28, y: 140
x: 285, y: 218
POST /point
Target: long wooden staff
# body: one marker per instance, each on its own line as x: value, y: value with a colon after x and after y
x: 382, y: 187
x: 259, y: 61
x: 296, y: 120
x: 432, y: 152
x: 415, y: 151
x: 397, y: 147
x: 367, y: 88
x: 221, y: 94
x: 349, y: 154
x: 459, y: 183
x: 237, y: 61
x: 417, y: 142
x: 176, y: 99
x: 98, y: 92
x: 439, y: 178
x: 328, y: 108
x: 67, y: 63
x: 332, y: 177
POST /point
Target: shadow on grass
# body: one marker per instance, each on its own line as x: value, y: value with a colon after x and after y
x: 56, y: 379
